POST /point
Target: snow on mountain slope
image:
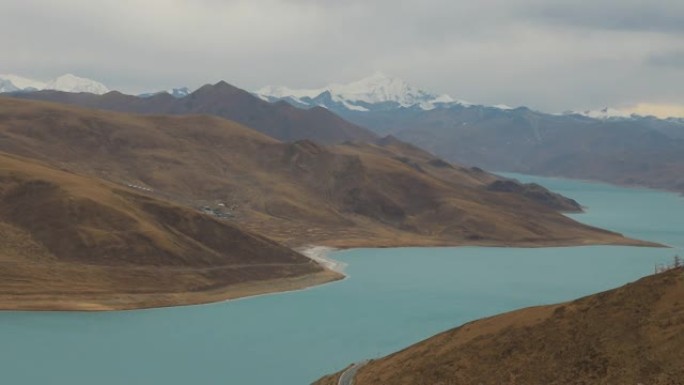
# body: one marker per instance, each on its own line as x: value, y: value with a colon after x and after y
x: 72, y: 83
x: 382, y: 93
x: 606, y: 113
x: 178, y: 93
x: 361, y: 95
x: 66, y: 83
x: 283, y: 92
x: 639, y: 111
x: 379, y: 88
x: 7, y: 86
x: 22, y: 83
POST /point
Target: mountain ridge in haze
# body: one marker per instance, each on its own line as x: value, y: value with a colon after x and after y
x: 382, y: 92
x: 279, y: 120
x: 597, y: 145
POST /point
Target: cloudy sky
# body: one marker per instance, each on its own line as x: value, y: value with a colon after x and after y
x: 552, y: 55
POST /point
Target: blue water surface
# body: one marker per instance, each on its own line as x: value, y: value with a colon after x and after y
x: 392, y: 298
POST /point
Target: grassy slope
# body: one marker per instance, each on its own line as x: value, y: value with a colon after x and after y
x: 72, y: 242
x: 630, y: 335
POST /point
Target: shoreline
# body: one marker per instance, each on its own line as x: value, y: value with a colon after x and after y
x: 636, y: 186
x: 151, y: 301
x: 319, y: 254
x: 332, y: 271
x: 620, y: 240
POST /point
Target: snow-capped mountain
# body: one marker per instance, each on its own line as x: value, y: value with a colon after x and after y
x: 178, y: 93
x: 66, y: 83
x: 22, y: 83
x: 71, y: 83
x: 609, y: 113
x: 376, y: 92
x: 7, y: 86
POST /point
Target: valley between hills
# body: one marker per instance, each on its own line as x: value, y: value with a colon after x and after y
x: 107, y: 210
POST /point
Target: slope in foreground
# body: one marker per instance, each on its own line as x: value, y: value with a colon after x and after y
x: 630, y: 335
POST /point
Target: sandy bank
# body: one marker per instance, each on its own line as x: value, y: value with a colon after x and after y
x: 320, y: 255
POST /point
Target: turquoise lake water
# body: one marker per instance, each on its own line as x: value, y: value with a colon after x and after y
x: 393, y: 298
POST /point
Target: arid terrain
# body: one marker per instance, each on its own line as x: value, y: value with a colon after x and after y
x: 382, y: 193
x: 72, y: 242
x: 630, y: 335
x: 159, y: 208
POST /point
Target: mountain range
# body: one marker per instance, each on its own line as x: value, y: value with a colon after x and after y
x: 66, y: 83
x: 598, y: 145
x: 380, y: 92
x: 373, y: 93
x: 279, y: 120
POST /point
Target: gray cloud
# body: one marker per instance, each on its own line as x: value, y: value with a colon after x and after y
x: 667, y: 59
x: 549, y: 55
x: 665, y: 16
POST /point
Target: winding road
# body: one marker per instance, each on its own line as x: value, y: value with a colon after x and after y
x: 347, y: 377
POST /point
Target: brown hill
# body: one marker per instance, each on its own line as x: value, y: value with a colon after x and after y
x: 537, y: 193
x: 279, y: 120
x: 71, y: 242
x: 353, y: 194
x: 455, y: 174
x: 630, y: 335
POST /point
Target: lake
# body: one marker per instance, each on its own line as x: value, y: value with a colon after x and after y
x: 392, y: 298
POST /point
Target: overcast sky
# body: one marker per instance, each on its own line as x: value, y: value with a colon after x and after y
x: 551, y: 55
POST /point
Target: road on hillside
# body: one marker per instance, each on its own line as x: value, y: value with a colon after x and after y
x: 347, y: 377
